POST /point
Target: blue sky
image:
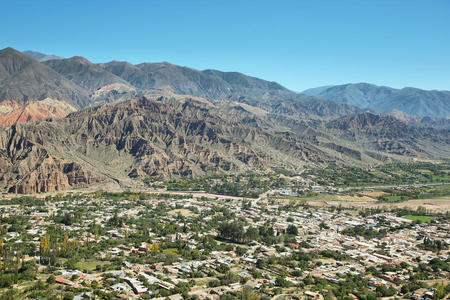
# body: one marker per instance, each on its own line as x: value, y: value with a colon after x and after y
x: 300, y: 44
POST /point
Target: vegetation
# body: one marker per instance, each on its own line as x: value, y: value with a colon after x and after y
x: 277, y: 243
x: 388, y: 174
x: 422, y: 219
x: 401, y: 194
x: 242, y: 185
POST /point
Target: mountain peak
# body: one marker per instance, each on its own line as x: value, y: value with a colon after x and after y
x: 80, y: 59
x: 8, y: 50
x: 24, y: 79
x: 13, y: 52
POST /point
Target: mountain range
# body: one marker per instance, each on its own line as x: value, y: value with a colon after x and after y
x: 81, y: 83
x: 70, y: 122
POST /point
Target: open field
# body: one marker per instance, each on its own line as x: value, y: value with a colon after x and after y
x: 90, y: 264
x: 441, y: 204
x: 173, y: 251
x: 375, y: 194
x: 182, y: 211
x: 434, y: 204
x: 355, y: 198
x: 423, y: 219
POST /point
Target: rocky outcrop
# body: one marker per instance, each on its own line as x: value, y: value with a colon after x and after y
x: 185, y: 136
x: 160, y: 136
x: 12, y: 112
x: 388, y: 134
x: 27, y: 167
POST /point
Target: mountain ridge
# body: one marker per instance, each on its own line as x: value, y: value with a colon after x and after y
x: 24, y: 79
x: 84, y: 73
x: 181, y: 136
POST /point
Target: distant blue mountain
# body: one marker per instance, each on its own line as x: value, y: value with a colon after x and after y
x: 382, y: 99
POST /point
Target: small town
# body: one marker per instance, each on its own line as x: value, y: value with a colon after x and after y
x: 225, y: 150
x: 136, y: 245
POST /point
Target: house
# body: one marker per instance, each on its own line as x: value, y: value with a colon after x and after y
x: 136, y: 285
x: 64, y: 281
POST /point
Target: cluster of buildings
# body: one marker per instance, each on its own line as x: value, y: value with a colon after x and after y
x: 319, y: 230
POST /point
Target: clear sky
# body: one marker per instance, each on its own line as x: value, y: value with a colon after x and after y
x: 300, y: 44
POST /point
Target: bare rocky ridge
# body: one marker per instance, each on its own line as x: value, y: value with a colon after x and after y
x: 388, y: 134
x: 185, y: 136
x: 12, y: 112
x: 119, y: 122
x: 41, y: 56
x: 164, y: 137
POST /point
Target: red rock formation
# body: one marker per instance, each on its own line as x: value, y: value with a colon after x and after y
x: 32, y: 111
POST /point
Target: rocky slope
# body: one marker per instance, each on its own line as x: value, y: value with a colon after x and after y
x: 216, y: 85
x: 24, y: 79
x: 388, y: 134
x: 191, y: 136
x: 210, y: 84
x: 440, y: 123
x: 84, y: 73
x: 12, y: 112
x: 142, y: 137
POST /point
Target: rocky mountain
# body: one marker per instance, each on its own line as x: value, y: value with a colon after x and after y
x: 23, y: 79
x: 191, y: 136
x: 380, y: 99
x: 81, y: 83
x: 12, y: 112
x: 69, y: 122
x: 41, y: 56
x: 84, y: 73
x: 142, y: 137
x: 443, y: 123
x: 210, y: 84
x: 388, y: 134
x: 216, y: 86
x: 302, y: 105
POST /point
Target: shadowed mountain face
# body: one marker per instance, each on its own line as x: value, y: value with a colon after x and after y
x: 382, y: 99
x: 216, y: 85
x: 184, y: 136
x: 84, y: 73
x: 211, y: 84
x: 24, y: 79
